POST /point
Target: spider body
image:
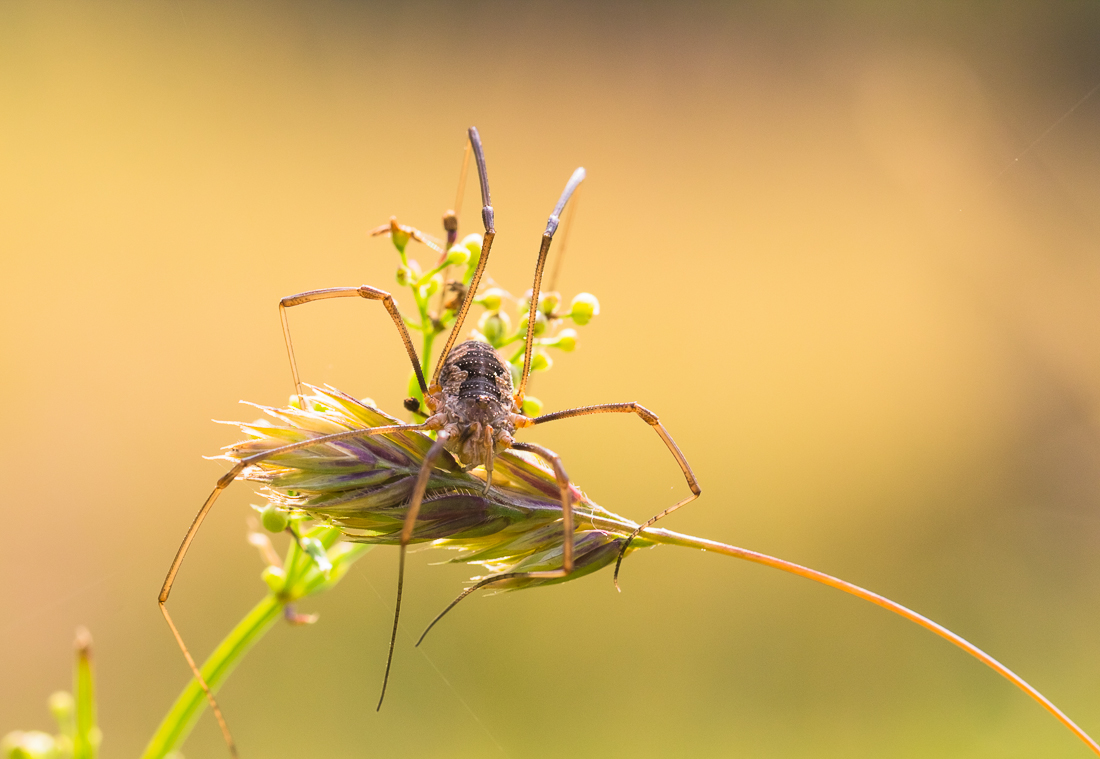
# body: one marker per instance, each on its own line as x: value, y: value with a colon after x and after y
x: 475, y: 406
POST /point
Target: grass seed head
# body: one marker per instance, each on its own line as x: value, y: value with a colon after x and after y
x: 361, y: 487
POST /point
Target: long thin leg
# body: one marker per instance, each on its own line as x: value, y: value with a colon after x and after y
x: 544, y: 250
x: 566, y: 510
x: 567, y: 223
x: 370, y: 293
x: 415, y: 499
x: 651, y: 419
x: 223, y: 483
x: 454, y: 603
x: 487, y: 243
x: 567, y: 544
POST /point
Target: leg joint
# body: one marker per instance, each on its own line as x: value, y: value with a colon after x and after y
x: 226, y: 479
x: 645, y: 414
x: 373, y: 293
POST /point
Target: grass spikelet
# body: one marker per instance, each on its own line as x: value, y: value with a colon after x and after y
x: 361, y: 486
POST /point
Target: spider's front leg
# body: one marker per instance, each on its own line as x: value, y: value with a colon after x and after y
x: 364, y: 291
x: 416, y: 498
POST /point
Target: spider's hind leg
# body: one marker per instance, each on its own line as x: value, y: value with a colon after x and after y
x: 416, y: 498
x: 568, y: 543
x: 651, y: 419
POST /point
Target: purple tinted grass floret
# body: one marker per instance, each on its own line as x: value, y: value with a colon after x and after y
x: 362, y: 485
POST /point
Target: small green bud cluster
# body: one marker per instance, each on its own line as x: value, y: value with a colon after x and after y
x: 495, y: 327
x: 439, y: 292
x: 315, y: 558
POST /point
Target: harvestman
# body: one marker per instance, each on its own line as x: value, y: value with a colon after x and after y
x: 474, y: 411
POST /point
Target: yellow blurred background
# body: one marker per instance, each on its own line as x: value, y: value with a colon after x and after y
x: 848, y: 252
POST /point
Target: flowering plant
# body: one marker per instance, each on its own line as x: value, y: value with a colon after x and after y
x: 338, y: 497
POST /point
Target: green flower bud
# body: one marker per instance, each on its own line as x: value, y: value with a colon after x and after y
x: 473, y: 244
x: 532, y: 406
x: 492, y: 299
x: 540, y: 362
x: 583, y: 307
x: 495, y: 325
x: 28, y: 745
x: 404, y: 276
x: 432, y: 287
x: 549, y: 301
x: 541, y: 323
x: 457, y: 255
x: 273, y: 518
x: 62, y: 707
x: 275, y: 578
x: 566, y: 340
x: 400, y: 237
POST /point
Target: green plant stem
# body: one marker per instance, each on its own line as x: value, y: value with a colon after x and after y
x: 426, y: 355
x: 426, y: 276
x: 176, y: 725
x: 426, y: 328
x: 673, y: 538
x: 85, y: 739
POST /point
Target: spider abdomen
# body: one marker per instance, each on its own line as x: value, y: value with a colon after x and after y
x: 476, y: 405
x: 474, y: 371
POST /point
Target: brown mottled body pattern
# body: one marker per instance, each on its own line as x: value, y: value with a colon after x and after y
x: 479, y: 412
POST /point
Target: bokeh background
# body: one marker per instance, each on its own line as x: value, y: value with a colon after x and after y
x: 848, y: 251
